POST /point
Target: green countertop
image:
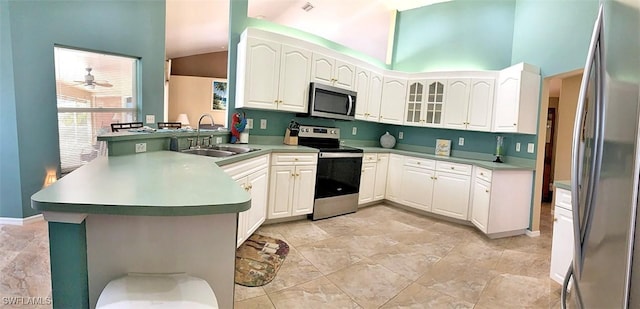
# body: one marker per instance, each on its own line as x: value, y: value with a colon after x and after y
x: 563, y: 184
x: 161, y: 183
x: 484, y: 164
x: 163, y: 133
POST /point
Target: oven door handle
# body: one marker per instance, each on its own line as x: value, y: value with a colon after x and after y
x: 340, y: 155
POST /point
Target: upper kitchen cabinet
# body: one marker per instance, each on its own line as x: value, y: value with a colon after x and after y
x: 434, y: 104
x: 331, y: 71
x: 272, y: 75
x: 414, y: 109
x: 469, y: 104
x: 368, y: 85
x: 394, y: 90
x: 516, y: 107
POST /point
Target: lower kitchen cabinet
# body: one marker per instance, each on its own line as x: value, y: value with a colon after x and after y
x: 373, y: 180
x: 417, y: 183
x: 394, y: 178
x: 501, y: 201
x: 451, y: 195
x: 251, y: 175
x: 562, y: 245
x: 291, y: 185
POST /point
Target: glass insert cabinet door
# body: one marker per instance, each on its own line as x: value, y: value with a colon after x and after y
x: 435, y: 100
x: 415, y: 102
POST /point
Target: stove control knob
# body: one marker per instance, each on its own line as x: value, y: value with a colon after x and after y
x: 333, y: 132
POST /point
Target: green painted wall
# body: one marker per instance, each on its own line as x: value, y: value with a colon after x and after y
x: 455, y: 35
x: 480, y: 142
x: 132, y: 28
x: 10, y: 197
x: 553, y: 34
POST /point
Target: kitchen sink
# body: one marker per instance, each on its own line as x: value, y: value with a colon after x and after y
x: 219, y: 151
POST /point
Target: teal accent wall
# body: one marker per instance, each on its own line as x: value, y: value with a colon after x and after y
x: 455, y: 35
x: 277, y: 123
x: 553, y: 35
x: 479, y: 142
x: 237, y: 23
x: 10, y: 197
x: 132, y: 28
x: 69, y: 272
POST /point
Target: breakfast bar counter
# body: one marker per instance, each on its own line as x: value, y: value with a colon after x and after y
x: 155, y: 212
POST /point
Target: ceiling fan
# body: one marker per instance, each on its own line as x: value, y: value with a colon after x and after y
x: 90, y: 82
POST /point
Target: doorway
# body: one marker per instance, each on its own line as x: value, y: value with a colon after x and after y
x: 547, y: 177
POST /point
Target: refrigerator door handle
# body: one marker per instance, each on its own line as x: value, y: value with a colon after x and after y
x: 575, y: 154
x: 565, y: 287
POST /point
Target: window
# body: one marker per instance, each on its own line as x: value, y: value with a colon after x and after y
x: 93, y: 90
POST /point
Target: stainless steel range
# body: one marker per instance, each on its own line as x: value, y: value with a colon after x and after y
x: 338, y: 176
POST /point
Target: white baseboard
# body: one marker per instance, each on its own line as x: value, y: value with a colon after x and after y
x: 21, y: 221
x: 532, y: 233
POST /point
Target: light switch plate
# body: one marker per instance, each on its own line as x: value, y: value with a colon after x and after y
x: 530, y: 148
x: 249, y: 123
x: 150, y: 119
x: 218, y: 140
x: 460, y: 141
x: 400, y: 135
x: 263, y: 124
x: 517, y: 147
x: 354, y: 131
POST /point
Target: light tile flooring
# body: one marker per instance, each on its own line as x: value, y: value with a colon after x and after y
x: 384, y: 257
x: 379, y: 257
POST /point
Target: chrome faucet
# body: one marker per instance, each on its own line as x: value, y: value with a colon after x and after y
x: 198, y: 131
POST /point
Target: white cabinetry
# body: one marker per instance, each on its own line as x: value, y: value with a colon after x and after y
x: 374, y: 177
x: 469, y: 104
x: 394, y: 178
x: 451, y: 189
x: 394, y: 90
x: 381, y: 177
x: 251, y: 175
x: 291, y: 184
x: 562, y: 245
x: 516, y: 107
x: 331, y: 71
x: 501, y: 201
x: 416, y: 188
x: 414, y: 108
x: 368, y: 85
x: 272, y: 76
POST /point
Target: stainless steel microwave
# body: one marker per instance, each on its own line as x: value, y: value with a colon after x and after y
x: 331, y: 102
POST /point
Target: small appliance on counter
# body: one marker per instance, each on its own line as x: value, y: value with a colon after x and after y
x: 291, y: 134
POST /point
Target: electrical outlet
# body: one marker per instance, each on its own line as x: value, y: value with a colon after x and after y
x: 141, y: 147
x: 460, y: 141
x: 218, y: 140
x: 400, y: 135
x: 263, y: 124
x: 150, y: 119
x: 249, y: 123
x: 518, y: 147
x: 530, y: 148
x: 354, y: 131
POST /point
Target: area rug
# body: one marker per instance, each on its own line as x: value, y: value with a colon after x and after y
x: 258, y: 260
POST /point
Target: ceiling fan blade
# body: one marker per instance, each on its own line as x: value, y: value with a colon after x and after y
x: 105, y: 84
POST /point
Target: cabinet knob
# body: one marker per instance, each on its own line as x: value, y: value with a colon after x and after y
x: 418, y: 163
x: 280, y: 101
x: 453, y: 168
x: 487, y: 190
x: 297, y: 174
x: 293, y: 175
x: 555, y: 219
x: 363, y: 171
x: 275, y: 101
x: 515, y: 124
x: 481, y: 174
x: 435, y: 177
x: 295, y: 159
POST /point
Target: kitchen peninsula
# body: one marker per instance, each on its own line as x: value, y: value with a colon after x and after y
x: 157, y: 212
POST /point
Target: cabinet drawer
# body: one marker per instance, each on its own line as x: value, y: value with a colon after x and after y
x: 246, y: 167
x: 294, y: 159
x: 563, y: 198
x: 463, y: 169
x: 370, y: 158
x: 422, y: 163
x: 483, y: 173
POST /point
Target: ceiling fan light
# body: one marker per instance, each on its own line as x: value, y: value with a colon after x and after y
x: 90, y: 86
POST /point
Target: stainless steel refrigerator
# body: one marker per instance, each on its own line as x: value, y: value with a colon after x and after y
x: 605, y: 272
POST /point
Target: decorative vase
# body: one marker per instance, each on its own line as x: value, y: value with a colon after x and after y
x: 387, y: 140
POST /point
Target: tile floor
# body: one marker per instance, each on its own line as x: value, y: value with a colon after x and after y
x: 379, y: 257
x: 384, y: 257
